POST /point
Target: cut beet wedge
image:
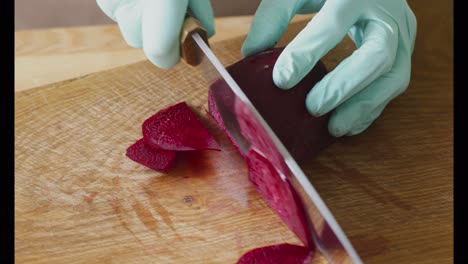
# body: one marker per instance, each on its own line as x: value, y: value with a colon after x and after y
x: 278, y: 254
x: 156, y: 159
x: 279, y: 195
x: 177, y: 128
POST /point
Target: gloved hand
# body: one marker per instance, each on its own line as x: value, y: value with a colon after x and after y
x: 360, y: 87
x: 155, y: 25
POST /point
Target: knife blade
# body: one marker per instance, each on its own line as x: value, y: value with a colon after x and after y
x: 326, y: 233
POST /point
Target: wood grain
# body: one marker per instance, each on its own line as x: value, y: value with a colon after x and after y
x: 79, y: 200
x: 57, y: 54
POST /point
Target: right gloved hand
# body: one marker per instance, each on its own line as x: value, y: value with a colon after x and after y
x: 363, y: 84
x: 155, y: 25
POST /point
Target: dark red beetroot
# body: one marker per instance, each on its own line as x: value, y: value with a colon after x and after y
x: 278, y: 194
x: 284, y: 110
x: 156, y: 159
x: 302, y: 134
x: 277, y: 254
x: 177, y: 128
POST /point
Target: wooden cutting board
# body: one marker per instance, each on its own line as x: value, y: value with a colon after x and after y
x: 78, y: 199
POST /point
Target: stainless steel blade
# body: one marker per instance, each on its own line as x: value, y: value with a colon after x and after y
x: 326, y: 233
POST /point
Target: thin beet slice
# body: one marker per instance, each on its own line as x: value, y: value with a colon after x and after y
x: 213, y: 110
x: 279, y: 195
x: 156, y: 159
x: 177, y: 128
x: 277, y: 254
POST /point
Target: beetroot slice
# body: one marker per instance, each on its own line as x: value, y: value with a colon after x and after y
x: 177, y: 128
x: 156, y: 159
x: 279, y: 195
x: 213, y: 110
x: 277, y: 254
x: 257, y: 136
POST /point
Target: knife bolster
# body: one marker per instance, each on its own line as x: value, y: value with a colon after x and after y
x: 189, y: 50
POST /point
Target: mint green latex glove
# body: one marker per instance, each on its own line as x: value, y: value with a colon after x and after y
x: 361, y: 86
x: 155, y: 25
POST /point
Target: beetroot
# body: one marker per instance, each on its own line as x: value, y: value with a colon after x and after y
x: 284, y: 110
x: 277, y: 254
x: 301, y: 133
x: 279, y: 194
x: 156, y: 159
x: 177, y: 128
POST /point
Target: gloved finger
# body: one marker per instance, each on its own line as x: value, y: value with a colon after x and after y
x: 311, y: 7
x: 202, y: 10
x: 357, y: 113
x: 326, y: 29
x: 373, y: 58
x: 161, y: 25
x: 128, y: 15
x: 411, y: 27
x: 270, y: 21
x: 371, y: 117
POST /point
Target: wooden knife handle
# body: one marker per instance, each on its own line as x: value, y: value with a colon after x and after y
x: 189, y: 49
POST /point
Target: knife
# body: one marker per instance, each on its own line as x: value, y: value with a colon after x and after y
x: 326, y: 233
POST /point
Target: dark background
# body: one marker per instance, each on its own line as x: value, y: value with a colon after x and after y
x: 65, y: 13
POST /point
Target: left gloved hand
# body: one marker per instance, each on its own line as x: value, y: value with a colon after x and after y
x: 361, y: 86
x: 155, y: 25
